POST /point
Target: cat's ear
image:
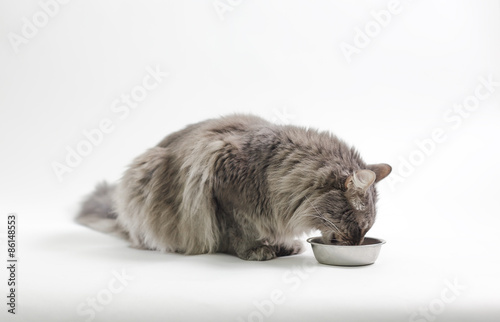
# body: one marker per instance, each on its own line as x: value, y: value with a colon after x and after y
x: 360, y: 180
x: 381, y: 170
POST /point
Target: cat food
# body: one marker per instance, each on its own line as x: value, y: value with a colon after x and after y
x: 344, y: 255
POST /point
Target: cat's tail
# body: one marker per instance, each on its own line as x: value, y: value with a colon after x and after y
x: 97, y: 211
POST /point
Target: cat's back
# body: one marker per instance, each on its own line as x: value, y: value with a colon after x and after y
x: 212, y: 130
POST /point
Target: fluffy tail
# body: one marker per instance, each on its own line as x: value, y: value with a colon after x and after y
x: 98, y: 212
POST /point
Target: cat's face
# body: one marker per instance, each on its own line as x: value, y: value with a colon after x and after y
x: 350, y: 218
x: 345, y: 216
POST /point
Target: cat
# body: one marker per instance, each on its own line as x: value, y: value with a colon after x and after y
x: 239, y: 185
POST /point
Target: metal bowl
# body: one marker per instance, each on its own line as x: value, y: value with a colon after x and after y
x: 343, y: 255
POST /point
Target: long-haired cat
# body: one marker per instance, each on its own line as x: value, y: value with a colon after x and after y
x: 239, y: 185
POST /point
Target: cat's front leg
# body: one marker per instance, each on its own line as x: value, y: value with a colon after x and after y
x: 296, y: 247
x: 267, y: 252
x: 244, y: 243
x: 258, y: 253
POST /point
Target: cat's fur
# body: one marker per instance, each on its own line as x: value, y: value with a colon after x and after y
x: 239, y: 185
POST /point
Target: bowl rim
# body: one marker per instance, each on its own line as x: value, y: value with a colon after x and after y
x: 380, y: 243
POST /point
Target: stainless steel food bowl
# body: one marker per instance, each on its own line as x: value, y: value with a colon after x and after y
x: 342, y: 255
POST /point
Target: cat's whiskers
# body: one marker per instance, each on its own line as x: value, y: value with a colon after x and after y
x: 326, y: 220
x: 328, y: 223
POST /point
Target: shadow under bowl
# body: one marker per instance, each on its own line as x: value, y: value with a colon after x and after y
x: 344, y: 255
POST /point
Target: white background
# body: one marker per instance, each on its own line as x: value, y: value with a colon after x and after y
x: 281, y: 60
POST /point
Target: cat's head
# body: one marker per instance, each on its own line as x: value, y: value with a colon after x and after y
x: 345, y: 215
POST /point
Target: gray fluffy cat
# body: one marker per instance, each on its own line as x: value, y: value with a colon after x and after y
x: 239, y: 185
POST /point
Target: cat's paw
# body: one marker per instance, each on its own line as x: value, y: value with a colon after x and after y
x: 260, y: 253
x: 297, y: 247
x: 139, y: 247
